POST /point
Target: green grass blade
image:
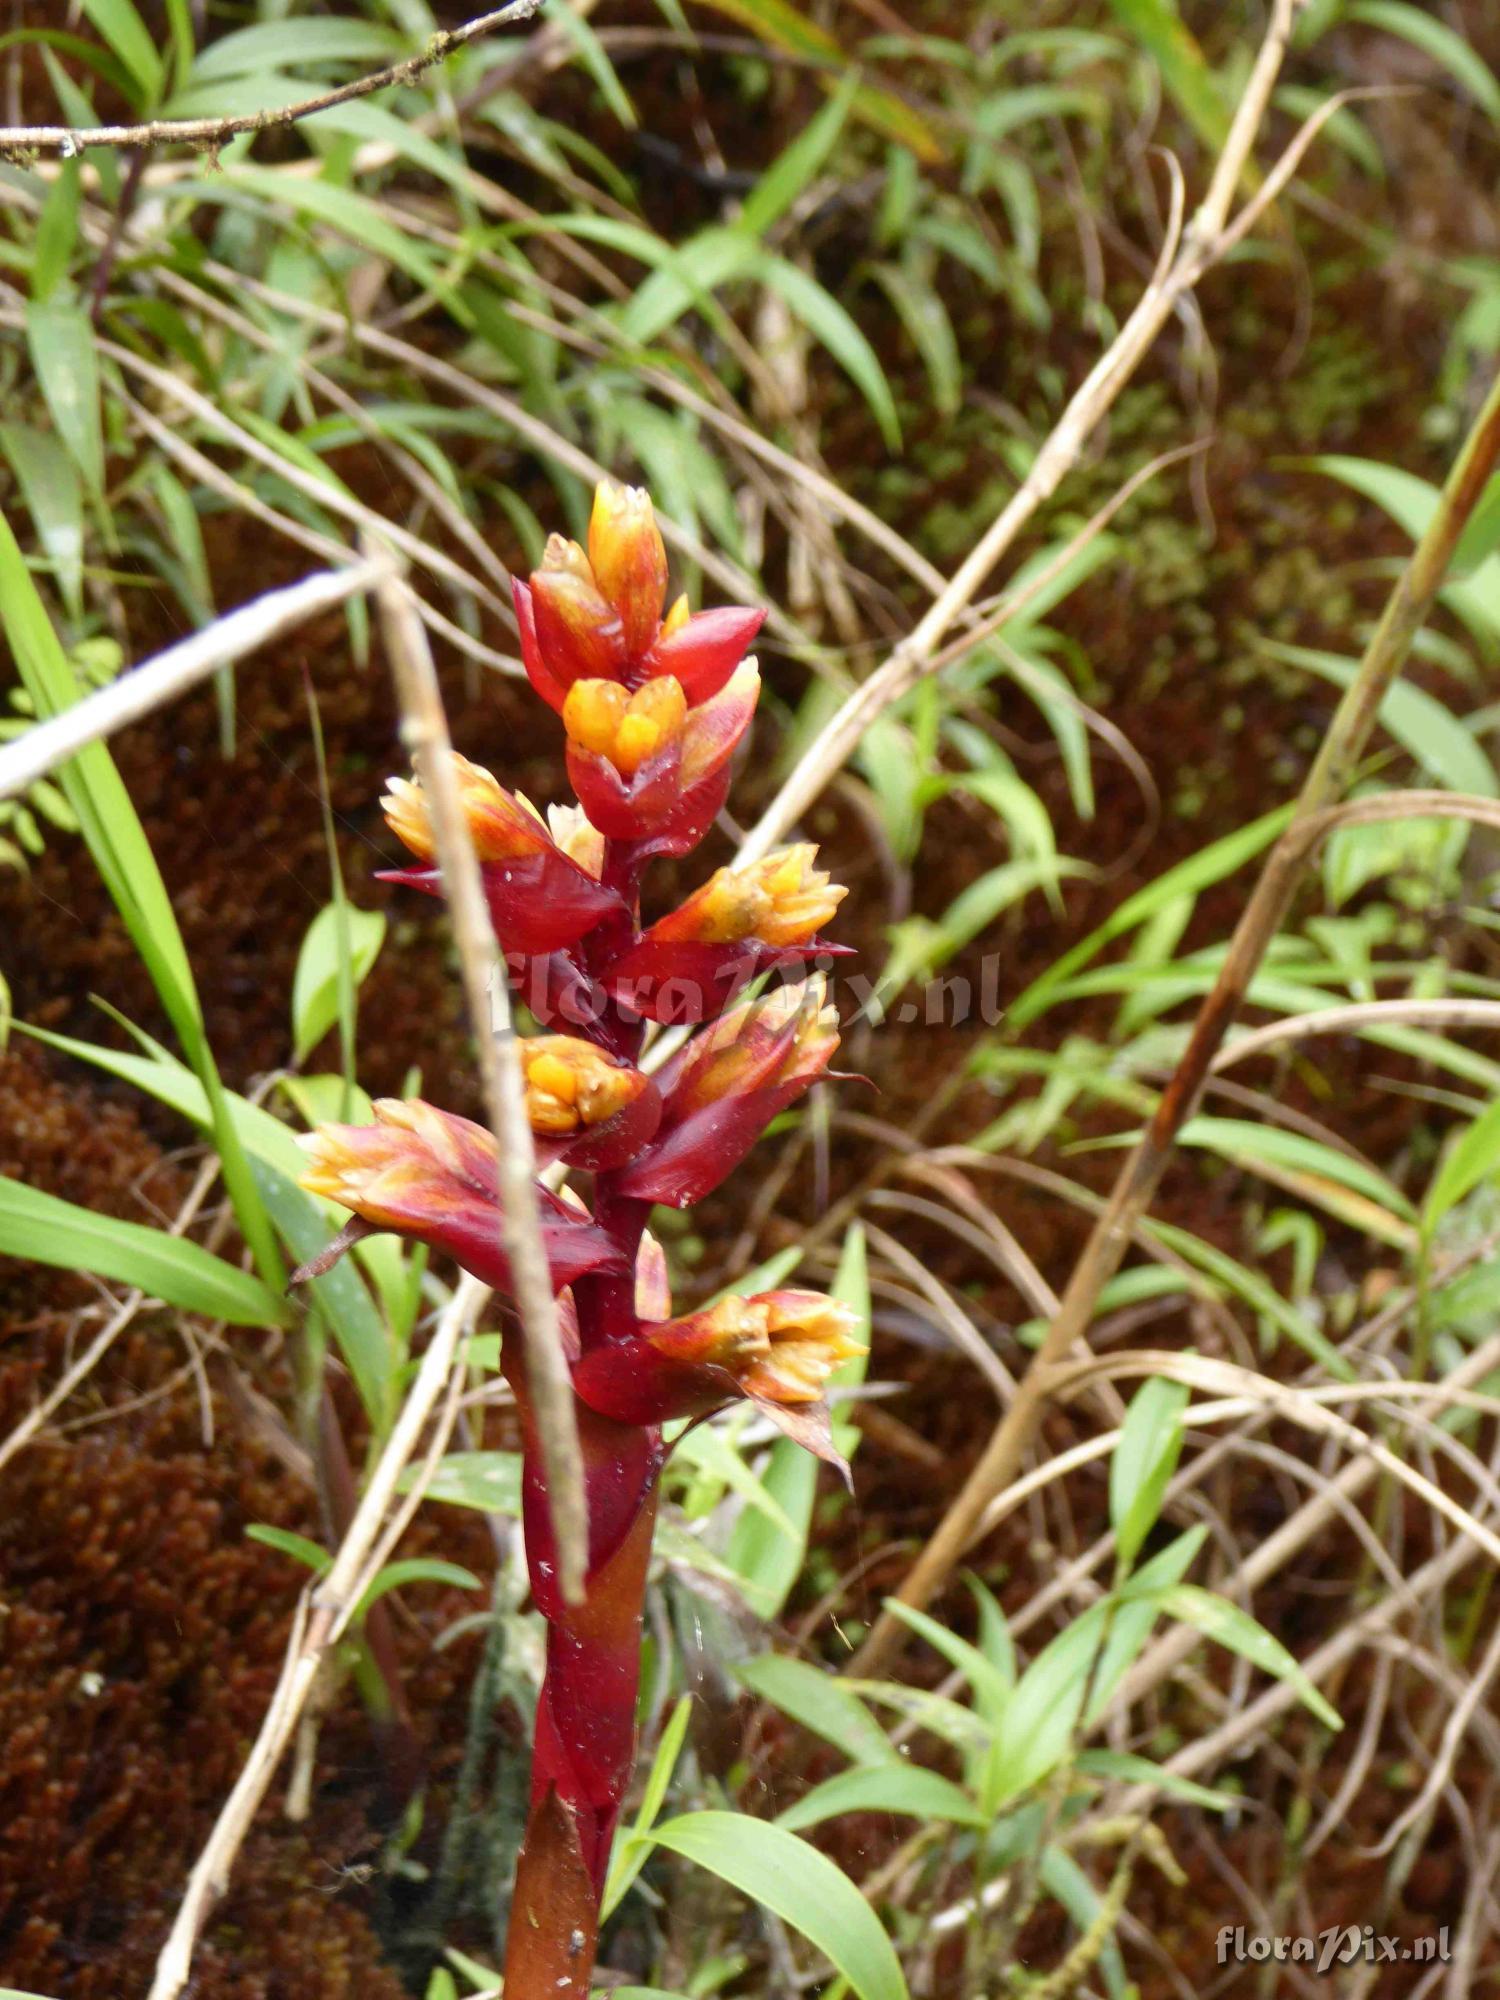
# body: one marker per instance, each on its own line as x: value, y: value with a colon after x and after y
x: 45, y: 1229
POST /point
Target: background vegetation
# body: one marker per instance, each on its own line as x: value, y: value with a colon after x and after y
x: 824, y: 279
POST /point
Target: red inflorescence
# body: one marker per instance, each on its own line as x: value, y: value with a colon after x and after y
x: 653, y: 707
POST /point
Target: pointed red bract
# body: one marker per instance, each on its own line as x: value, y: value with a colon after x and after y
x: 430, y: 1175
x: 547, y: 685
x: 578, y: 630
x: 626, y: 808
x: 539, y: 904
x: 704, y: 652
x: 724, y: 1088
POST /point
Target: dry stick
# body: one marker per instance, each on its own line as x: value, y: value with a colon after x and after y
x: 1357, y: 1015
x: 248, y: 501
x: 1406, y: 608
x: 172, y: 673
x: 70, y: 140
x: 1178, y: 270
x: 424, y: 730
x: 322, y: 1615
x: 36, y: 1419
x: 426, y: 554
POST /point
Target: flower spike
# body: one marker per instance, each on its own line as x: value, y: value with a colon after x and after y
x: 653, y: 706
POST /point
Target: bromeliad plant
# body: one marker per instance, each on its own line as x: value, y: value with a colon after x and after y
x: 653, y: 708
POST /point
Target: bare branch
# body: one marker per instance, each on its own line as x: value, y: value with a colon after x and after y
x: 1186, y: 254
x: 20, y: 141
x: 171, y: 674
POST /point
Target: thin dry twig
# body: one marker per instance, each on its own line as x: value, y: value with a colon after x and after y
x: 424, y: 730
x: 171, y: 674
x: 35, y: 1419
x: 1358, y: 1014
x: 1317, y: 808
x: 212, y: 475
x: 22, y: 141
x: 323, y: 1613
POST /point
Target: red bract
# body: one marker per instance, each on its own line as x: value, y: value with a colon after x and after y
x: 692, y: 963
x: 427, y: 1174
x: 653, y: 708
x: 540, y: 897
x: 703, y: 651
x: 726, y: 1086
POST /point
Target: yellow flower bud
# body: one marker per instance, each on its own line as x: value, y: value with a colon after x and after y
x: 503, y: 825
x: 781, y: 1346
x: 571, y: 1084
x: 629, y: 561
x: 782, y: 900
x: 626, y: 729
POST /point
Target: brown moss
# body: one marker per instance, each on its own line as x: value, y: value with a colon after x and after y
x: 142, y: 1632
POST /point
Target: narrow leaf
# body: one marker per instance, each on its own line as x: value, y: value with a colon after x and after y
x: 1216, y: 1618
x: 891, y: 1788
x: 802, y: 1886
x: 47, y: 1230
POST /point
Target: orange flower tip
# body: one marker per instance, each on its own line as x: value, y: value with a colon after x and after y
x: 625, y: 729
x: 780, y: 1346
x: 407, y: 817
x: 818, y: 1022
x: 501, y: 824
x: 676, y: 618
x: 571, y: 1085
x: 801, y: 896
x: 628, y: 560
x: 780, y: 901
x: 344, y: 1166
x: 329, y: 1157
